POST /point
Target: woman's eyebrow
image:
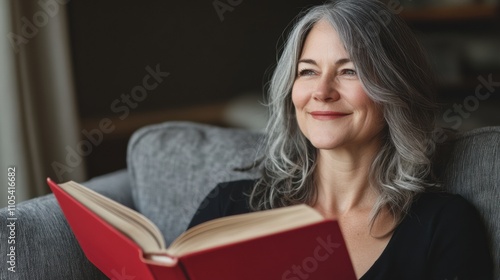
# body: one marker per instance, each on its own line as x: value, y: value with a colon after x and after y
x: 340, y: 61
x: 308, y: 61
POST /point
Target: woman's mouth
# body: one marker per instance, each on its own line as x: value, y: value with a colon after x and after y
x: 327, y: 115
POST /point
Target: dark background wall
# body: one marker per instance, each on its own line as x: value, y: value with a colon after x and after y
x: 213, y: 57
x: 209, y: 60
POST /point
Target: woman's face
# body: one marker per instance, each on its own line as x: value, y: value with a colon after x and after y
x: 332, y: 108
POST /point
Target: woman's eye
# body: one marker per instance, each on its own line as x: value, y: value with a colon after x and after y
x: 348, y: 72
x: 306, y: 72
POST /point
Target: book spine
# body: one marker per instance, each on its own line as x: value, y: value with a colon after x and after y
x: 161, y: 272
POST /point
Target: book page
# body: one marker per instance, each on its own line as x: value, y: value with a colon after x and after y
x: 233, y: 229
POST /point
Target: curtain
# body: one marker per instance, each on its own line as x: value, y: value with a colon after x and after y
x: 39, y: 127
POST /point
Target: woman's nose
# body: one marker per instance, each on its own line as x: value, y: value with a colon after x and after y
x: 326, y: 90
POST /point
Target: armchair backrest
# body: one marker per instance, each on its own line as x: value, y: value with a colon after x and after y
x: 472, y: 169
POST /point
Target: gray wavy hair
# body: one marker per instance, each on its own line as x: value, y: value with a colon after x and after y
x: 394, y: 73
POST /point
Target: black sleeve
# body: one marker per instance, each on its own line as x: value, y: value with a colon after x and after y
x: 229, y: 198
x: 459, y: 249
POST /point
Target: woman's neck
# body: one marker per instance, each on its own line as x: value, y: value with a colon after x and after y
x: 342, y: 180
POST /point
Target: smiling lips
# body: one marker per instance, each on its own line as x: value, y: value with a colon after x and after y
x: 327, y: 115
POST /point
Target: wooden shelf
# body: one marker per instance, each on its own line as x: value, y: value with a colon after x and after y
x: 458, y: 13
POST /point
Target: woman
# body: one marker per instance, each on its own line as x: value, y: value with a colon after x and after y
x: 350, y: 134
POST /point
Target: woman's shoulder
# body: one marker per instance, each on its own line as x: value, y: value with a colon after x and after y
x: 443, y: 231
x: 433, y: 202
x: 442, y: 213
x: 451, y: 230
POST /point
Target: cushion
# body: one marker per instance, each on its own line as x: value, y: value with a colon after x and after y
x: 473, y: 171
x: 174, y: 165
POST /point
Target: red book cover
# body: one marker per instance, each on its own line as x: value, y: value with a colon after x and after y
x: 314, y: 252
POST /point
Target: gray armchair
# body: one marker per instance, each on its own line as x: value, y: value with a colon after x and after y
x: 171, y: 168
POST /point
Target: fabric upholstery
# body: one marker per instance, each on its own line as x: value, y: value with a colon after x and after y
x: 174, y: 165
x: 473, y: 171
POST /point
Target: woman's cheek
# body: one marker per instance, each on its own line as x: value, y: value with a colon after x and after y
x: 299, y: 95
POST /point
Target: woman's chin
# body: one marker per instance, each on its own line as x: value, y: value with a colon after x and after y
x: 323, y: 144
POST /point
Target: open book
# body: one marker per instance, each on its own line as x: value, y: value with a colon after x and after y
x: 291, y: 243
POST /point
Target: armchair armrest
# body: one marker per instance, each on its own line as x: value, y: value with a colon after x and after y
x: 45, y: 247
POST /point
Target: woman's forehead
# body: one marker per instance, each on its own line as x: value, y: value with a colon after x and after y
x: 323, y: 42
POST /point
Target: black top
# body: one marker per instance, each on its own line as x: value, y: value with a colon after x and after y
x: 442, y: 236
